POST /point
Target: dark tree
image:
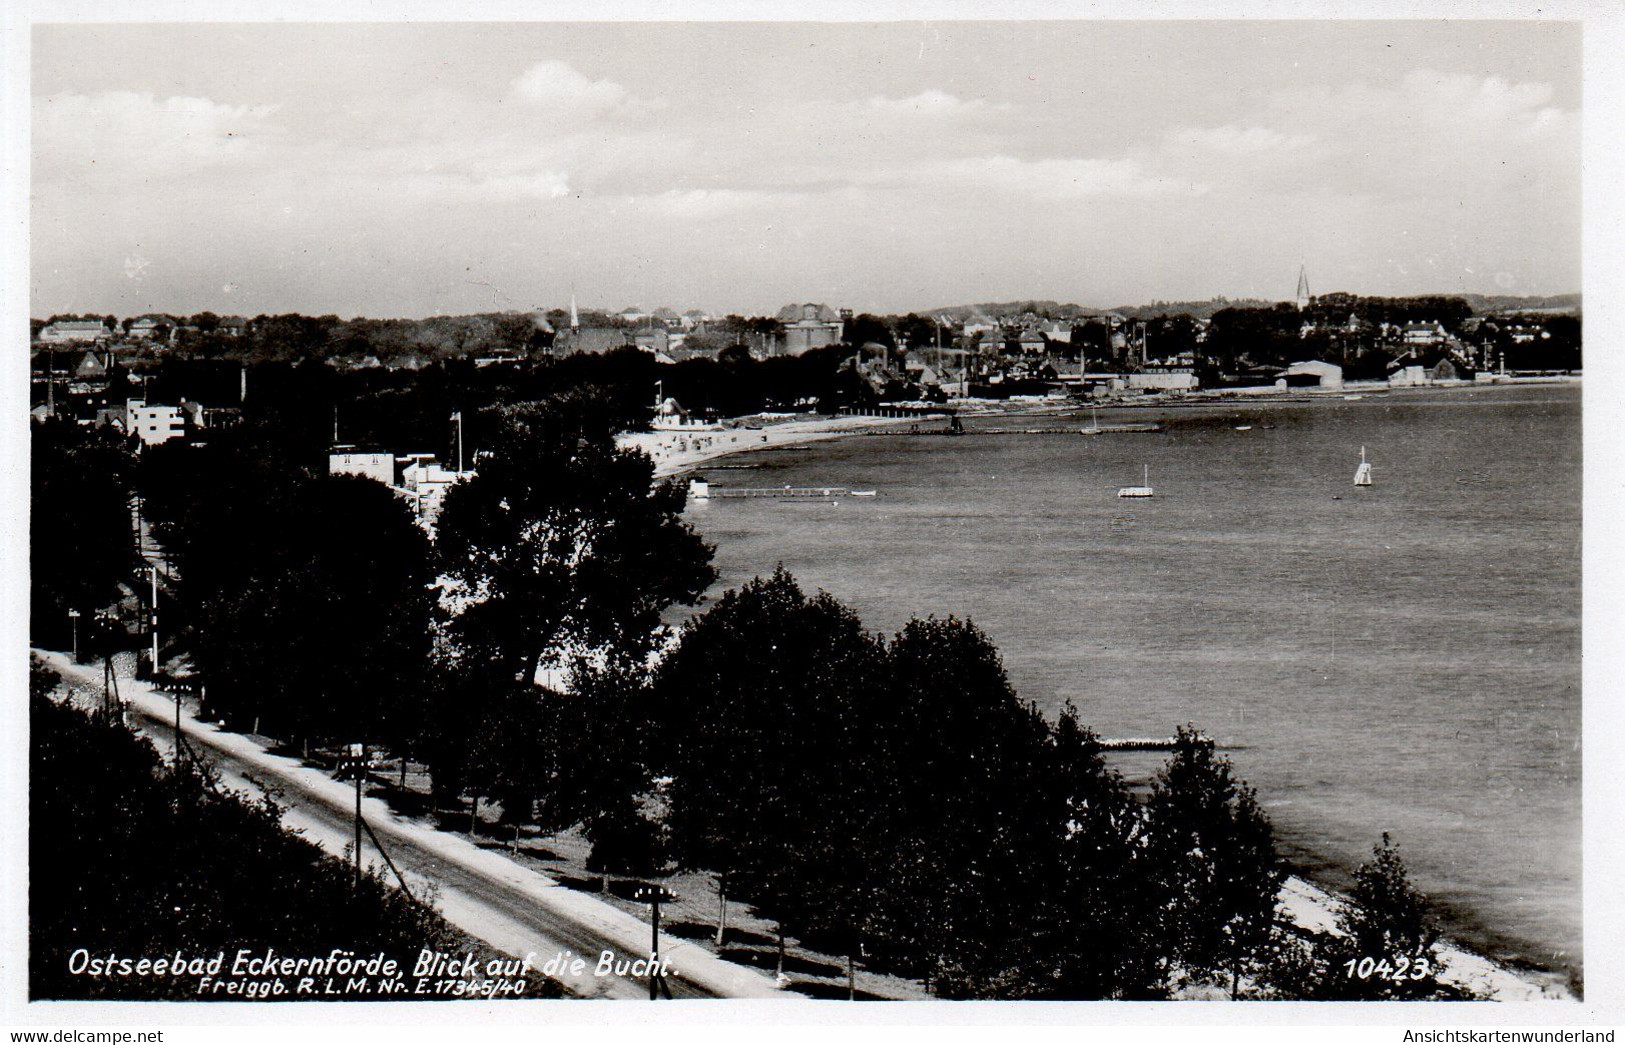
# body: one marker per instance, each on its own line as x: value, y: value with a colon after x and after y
x: 81, y: 530
x: 1384, y: 919
x: 765, y: 718
x: 1211, y: 865
x: 562, y: 540
x: 307, y: 594
x: 976, y: 809
x: 1104, y: 910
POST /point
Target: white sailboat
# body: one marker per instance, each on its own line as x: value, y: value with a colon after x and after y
x: 1139, y: 491
x: 1362, y: 474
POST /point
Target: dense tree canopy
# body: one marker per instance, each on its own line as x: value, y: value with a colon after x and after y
x: 767, y: 722
x: 1211, y: 852
x: 81, y: 529
x: 562, y: 540
x: 307, y: 594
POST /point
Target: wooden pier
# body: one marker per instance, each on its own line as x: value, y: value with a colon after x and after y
x: 1138, y: 744
x: 782, y: 493
x: 1155, y: 744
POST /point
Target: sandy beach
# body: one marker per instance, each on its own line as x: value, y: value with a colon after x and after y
x: 675, y: 452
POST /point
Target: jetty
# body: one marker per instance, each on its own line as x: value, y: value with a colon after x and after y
x: 1120, y: 429
x: 702, y: 491
x: 1138, y: 743
x: 1153, y: 744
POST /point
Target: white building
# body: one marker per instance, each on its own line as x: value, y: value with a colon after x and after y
x: 1166, y: 380
x: 145, y: 328
x: 425, y: 483
x: 1409, y: 377
x: 1313, y: 372
x: 347, y: 460
x: 154, y: 423
x: 74, y: 331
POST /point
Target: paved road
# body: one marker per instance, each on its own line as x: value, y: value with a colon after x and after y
x: 514, y: 909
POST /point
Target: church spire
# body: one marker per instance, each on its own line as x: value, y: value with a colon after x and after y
x: 1303, y: 287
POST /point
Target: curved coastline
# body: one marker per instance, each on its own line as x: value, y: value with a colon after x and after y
x: 773, y: 431
x: 1308, y: 899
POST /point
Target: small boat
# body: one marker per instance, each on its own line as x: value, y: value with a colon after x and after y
x: 1362, y: 474
x: 1353, y: 396
x: 1244, y: 428
x: 863, y: 493
x: 1139, y: 491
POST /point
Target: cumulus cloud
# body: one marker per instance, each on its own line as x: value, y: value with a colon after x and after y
x: 556, y: 85
x: 1231, y: 140
x: 1459, y: 100
x: 931, y: 102
x: 452, y: 184
x: 128, y: 133
x: 702, y: 204
x: 1065, y: 178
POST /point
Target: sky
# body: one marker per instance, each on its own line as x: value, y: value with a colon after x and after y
x: 420, y: 169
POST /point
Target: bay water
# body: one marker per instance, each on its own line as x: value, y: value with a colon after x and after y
x: 1400, y: 658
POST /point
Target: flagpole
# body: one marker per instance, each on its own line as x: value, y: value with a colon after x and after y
x: 459, y: 418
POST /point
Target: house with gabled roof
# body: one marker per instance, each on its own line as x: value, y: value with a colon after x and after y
x: 596, y: 340
x: 90, y: 368
x: 147, y: 327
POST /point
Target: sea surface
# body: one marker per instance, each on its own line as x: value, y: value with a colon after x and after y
x: 1401, y: 658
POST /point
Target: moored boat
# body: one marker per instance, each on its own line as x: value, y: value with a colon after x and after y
x: 1139, y: 491
x: 1362, y: 474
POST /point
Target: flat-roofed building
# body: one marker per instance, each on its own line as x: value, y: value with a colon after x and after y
x: 347, y: 460
x: 80, y: 331
x: 154, y: 423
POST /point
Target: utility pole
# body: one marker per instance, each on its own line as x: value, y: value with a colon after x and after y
x: 653, y: 895
x: 112, y: 702
x: 358, y: 765
x: 458, y: 417
x: 654, y: 949
x: 154, y: 571
x: 73, y: 615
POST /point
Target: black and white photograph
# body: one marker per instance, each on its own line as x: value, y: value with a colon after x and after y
x: 961, y: 506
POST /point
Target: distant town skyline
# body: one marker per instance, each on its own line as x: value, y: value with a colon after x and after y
x: 412, y: 170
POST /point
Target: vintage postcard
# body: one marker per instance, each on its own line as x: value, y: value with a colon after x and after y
x: 960, y: 505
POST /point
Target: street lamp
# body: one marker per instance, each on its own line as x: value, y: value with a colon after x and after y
x: 154, y: 621
x: 654, y: 895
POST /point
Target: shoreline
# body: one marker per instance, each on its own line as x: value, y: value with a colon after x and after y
x: 1314, y: 908
x: 1310, y: 906
x: 677, y: 452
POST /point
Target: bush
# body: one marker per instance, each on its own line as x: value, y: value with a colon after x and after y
x: 626, y: 842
